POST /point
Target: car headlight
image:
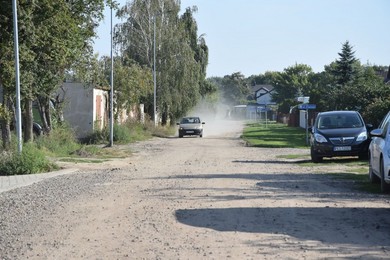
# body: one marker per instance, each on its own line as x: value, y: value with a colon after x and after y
x: 320, y: 138
x: 362, y: 137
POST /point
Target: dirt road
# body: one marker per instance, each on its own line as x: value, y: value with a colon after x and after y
x: 212, y: 198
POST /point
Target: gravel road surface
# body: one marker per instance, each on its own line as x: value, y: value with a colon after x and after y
x: 196, y: 198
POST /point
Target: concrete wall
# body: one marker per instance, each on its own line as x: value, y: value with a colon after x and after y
x: 84, y: 108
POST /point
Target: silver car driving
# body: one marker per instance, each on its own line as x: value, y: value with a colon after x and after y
x: 190, y: 126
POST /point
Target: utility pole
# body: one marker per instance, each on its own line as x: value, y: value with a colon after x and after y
x: 17, y: 78
x: 112, y: 91
x: 154, y: 72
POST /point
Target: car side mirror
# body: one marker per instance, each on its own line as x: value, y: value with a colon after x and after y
x: 203, y: 123
x: 377, y: 132
x: 369, y: 126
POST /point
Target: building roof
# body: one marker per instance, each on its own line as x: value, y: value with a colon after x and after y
x: 267, y: 88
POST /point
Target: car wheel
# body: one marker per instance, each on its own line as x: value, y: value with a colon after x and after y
x: 180, y: 136
x: 314, y: 156
x: 373, y: 177
x: 385, y: 187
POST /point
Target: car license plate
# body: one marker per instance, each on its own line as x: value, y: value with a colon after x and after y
x: 190, y: 132
x: 342, y: 148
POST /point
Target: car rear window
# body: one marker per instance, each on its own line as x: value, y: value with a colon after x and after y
x: 339, y: 121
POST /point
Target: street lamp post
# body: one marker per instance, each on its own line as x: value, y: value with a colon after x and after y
x: 112, y: 92
x: 154, y: 73
x: 17, y: 78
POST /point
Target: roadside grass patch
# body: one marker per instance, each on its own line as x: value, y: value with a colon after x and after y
x: 31, y: 160
x: 82, y: 160
x: 274, y: 135
x: 360, y: 170
x: 122, y: 134
x: 60, y: 142
x: 161, y: 131
x: 353, y: 162
x: 294, y: 156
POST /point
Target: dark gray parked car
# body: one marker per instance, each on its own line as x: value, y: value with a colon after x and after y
x: 339, y: 133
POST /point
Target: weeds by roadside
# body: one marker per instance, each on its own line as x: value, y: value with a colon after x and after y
x: 31, y: 160
x: 62, y: 143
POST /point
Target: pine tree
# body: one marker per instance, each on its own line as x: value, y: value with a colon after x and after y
x: 346, y: 70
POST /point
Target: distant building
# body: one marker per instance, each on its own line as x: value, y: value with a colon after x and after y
x: 262, y: 109
x: 263, y: 94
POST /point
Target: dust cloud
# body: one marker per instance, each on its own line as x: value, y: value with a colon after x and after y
x: 218, y: 119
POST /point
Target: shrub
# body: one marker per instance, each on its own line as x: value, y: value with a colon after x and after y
x: 129, y: 132
x: 122, y: 134
x: 60, y: 141
x: 375, y: 112
x: 31, y: 160
x: 160, y: 131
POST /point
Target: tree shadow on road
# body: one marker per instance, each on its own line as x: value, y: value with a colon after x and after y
x: 327, y: 224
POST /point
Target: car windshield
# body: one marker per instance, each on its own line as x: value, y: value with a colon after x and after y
x: 339, y: 121
x: 190, y: 120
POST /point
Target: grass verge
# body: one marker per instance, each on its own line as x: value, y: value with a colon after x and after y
x: 281, y: 136
x: 274, y: 135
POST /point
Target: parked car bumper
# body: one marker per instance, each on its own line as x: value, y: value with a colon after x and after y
x: 329, y: 150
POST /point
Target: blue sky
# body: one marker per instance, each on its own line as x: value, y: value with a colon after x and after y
x: 255, y: 36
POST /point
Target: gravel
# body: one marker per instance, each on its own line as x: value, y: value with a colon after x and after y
x: 23, y: 209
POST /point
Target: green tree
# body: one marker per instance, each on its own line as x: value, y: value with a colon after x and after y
x: 351, y: 86
x: 347, y: 66
x: 294, y: 81
x: 132, y: 83
x: 374, y: 100
x: 199, y: 47
x: 259, y: 79
x: 321, y: 91
x: 46, y: 51
x: 234, y: 89
x: 181, y: 57
x: 376, y: 110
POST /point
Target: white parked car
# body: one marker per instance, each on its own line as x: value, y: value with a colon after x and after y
x: 379, y: 155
